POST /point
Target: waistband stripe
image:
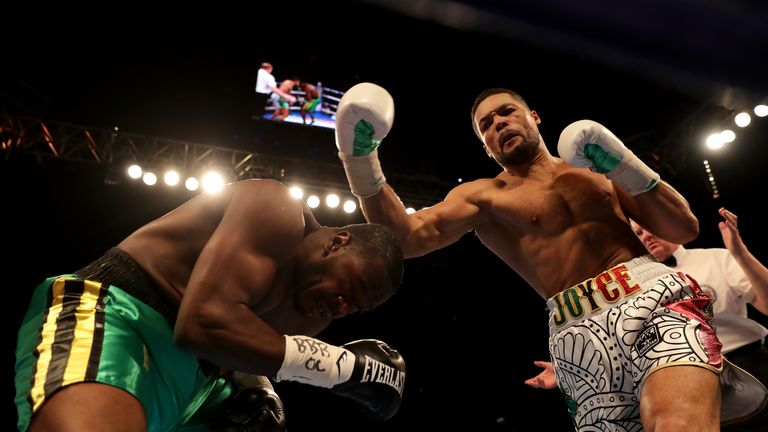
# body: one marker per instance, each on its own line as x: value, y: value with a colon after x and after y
x: 612, y: 285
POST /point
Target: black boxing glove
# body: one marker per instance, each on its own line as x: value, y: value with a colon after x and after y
x: 377, y: 381
x: 367, y: 371
x: 254, y: 406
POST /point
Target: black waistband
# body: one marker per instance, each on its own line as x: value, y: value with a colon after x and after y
x: 118, y: 268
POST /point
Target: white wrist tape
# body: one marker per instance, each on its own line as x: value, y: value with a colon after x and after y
x: 312, y: 361
x: 363, y: 173
x: 633, y: 175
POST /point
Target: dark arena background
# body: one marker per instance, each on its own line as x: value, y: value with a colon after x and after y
x: 78, y: 96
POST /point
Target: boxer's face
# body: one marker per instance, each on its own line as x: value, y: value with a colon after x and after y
x: 508, y: 129
x: 341, y: 284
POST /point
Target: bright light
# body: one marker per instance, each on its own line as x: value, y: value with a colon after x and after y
x: 313, y: 201
x: 192, y: 184
x: 715, y: 141
x: 742, y: 119
x: 134, y: 171
x: 171, y: 178
x: 761, y: 110
x: 213, y: 182
x: 350, y: 206
x: 332, y: 200
x: 460, y: 180
x: 149, y: 178
x: 296, y: 192
x: 410, y: 210
x: 728, y: 135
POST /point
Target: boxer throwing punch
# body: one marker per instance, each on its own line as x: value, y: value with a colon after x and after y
x: 561, y: 223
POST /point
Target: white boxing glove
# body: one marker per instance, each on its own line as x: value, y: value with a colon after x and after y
x: 363, y: 119
x: 588, y: 144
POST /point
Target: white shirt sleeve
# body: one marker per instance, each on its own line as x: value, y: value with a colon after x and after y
x: 265, y: 82
x: 737, y: 280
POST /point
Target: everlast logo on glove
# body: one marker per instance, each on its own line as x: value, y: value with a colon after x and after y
x: 367, y: 371
x: 378, y: 372
x: 377, y: 382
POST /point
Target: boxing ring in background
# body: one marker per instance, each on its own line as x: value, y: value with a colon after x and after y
x: 325, y: 112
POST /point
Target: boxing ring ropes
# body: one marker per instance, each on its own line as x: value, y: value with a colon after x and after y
x: 329, y: 99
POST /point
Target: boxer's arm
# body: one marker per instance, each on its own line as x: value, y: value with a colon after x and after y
x: 364, y: 117
x: 655, y: 205
x: 428, y: 229
x: 259, y: 230
x: 285, y: 95
x: 663, y: 211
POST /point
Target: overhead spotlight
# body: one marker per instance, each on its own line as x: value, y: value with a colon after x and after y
x: 460, y: 180
x: 332, y: 200
x: 742, y: 119
x: 296, y: 192
x: 410, y: 210
x: 192, y: 184
x: 761, y: 110
x: 149, y: 178
x: 213, y: 182
x: 350, y: 206
x: 712, y: 181
x: 313, y: 201
x: 728, y: 135
x: 134, y: 171
x: 715, y: 141
x: 171, y: 177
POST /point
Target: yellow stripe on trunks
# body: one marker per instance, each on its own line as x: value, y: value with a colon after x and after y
x: 67, y: 337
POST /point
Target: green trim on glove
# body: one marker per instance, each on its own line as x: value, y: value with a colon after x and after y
x: 364, y: 143
x: 603, y: 161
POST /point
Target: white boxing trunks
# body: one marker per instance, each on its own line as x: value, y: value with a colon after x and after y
x: 609, y: 333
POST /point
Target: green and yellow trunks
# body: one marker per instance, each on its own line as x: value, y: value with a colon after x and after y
x: 311, y: 104
x: 78, y: 331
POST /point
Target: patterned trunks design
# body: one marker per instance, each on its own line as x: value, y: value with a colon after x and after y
x: 609, y: 333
